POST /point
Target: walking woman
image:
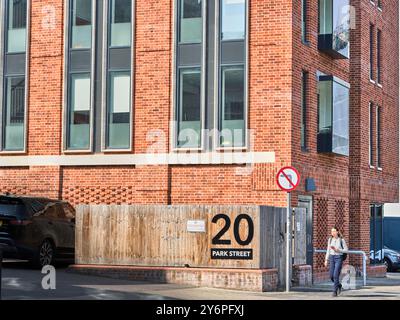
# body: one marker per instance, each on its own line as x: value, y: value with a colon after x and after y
x: 336, y: 254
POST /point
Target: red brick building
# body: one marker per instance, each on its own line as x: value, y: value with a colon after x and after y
x: 90, y: 86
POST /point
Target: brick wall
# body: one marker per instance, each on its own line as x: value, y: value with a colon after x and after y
x: 345, y: 185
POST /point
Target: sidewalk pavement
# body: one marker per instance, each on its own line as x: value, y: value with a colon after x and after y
x: 21, y: 282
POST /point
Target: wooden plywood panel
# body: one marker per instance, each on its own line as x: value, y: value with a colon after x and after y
x: 158, y: 236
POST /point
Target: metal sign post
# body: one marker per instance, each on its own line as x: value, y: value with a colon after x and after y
x: 288, y: 242
x: 288, y: 180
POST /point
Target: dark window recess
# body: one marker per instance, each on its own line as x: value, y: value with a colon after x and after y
x: 376, y: 234
x: 17, y: 111
x: 371, y: 134
x: 122, y: 117
x: 191, y: 9
x: 123, y: 11
x: 303, y: 139
x: 378, y: 137
x: 81, y: 117
x: 371, y: 52
x: 19, y: 14
x: 378, y: 57
x: 334, y: 28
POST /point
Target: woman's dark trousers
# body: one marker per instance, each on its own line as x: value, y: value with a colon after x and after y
x: 335, y: 268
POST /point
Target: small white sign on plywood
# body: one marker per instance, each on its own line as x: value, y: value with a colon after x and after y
x: 196, y: 226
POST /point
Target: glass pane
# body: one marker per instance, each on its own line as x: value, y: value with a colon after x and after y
x: 325, y: 16
x: 121, y: 27
x: 189, y: 109
x: 81, y: 16
x: 233, y: 19
x: 191, y: 28
x: 118, y: 113
x: 325, y: 106
x: 379, y: 234
x: 14, y: 114
x: 341, y: 27
x: 232, y: 122
x: 16, y: 36
x: 372, y: 234
x: 340, y: 143
x: 79, y: 115
x: 378, y: 137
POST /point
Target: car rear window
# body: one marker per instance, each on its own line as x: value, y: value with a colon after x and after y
x: 12, y: 208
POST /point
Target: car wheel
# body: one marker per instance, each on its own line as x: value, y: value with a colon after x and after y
x: 388, y: 265
x: 44, y: 255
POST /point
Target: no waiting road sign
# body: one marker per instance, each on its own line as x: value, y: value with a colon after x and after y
x: 288, y: 179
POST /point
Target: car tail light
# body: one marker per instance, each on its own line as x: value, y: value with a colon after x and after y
x: 20, y: 222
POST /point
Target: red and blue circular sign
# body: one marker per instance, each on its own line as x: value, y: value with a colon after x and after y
x: 288, y: 179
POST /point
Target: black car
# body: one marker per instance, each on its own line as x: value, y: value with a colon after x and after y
x: 36, y: 229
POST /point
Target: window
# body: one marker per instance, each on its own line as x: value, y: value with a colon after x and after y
x: 13, y: 92
x: 118, y: 124
x: 14, y: 113
x: 333, y: 115
x: 119, y: 107
x: 232, y: 126
x: 378, y: 57
x: 233, y: 19
x: 189, y: 113
x: 80, y: 77
x: 304, y: 79
x: 121, y: 23
x: 304, y: 21
x: 79, y: 116
x: 334, y: 28
x: 371, y: 52
x: 232, y: 75
x: 99, y: 76
x: 378, y: 137
x: 189, y: 75
x: 213, y: 101
x: 371, y: 134
x: 81, y: 21
x: 191, y: 22
x: 376, y: 234
x: 16, y: 35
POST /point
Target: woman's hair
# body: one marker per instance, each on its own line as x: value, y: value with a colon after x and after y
x: 337, y: 229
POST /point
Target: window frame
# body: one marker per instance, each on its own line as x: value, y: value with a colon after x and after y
x: 218, y: 77
x: 66, y: 78
x: 175, y: 79
x: 3, y: 53
x: 106, y: 79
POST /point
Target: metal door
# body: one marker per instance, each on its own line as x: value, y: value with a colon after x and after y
x: 306, y: 202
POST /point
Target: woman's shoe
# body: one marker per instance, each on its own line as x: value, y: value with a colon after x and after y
x: 339, y: 289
